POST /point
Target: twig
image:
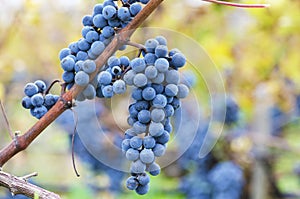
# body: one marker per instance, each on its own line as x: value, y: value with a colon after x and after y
x: 138, y: 46
x: 6, y: 121
x: 18, y: 185
x: 51, y: 85
x: 27, y: 177
x: 239, y: 5
x: 73, y: 139
x: 122, y: 37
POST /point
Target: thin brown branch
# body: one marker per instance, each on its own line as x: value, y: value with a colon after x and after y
x: 6, y: 121
x: 122, y: 37
x: 19, y: 185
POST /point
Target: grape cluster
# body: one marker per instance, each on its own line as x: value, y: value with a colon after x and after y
x: 37, y: 100
x: 98, y: 31
x: 156, y: 94
x: 225, y: 180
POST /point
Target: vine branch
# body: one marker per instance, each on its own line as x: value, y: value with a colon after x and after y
x: 120, y: 39
x: 19, y: 185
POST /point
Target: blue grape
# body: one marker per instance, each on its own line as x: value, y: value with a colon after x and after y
x: 151, y: 72
x: 129, y: 77
x: 142, y: 189
x: 164, y: 138
x: 161, y: 65
x: 150, y: 59
x: 83, y: 44
x: 109, y: 12
x: 176, y: 103
x: 39, y: 111
x: 67, y: 63
x: 73, y: 46
x: 81, y: 78
x: 157, y: 115
x: 108, y: 32
x: 68, y: 77
x: 81, y: 55
x: 98, y: 9
x: 160, y: 101
x: 139, y: 127
x: 171, y: 90
x: 132, y: 111
x: 143, y: 179
x: 125, y: 144
x: 144, y: 116
x: 87, y: 20
x: 149, y: 142
x: 108, y: 91
x: 153, y: 169
x: 161, y: 51
x: 113, y: 61
x: 156, y: 129
x: 178, y: 60
x: 159, y: 79
x: 147, y: 156
x: 114, y: 22
x: 124, y: 14
x: 136, y: 142
x: 84, y: 31
x: 64, y: 53
x: 99, y: 21
x: 119, y: 87
x: 97, y: 48
x: 140, y: 80
x: 142, y: 105
x: 89, y: 92
x: 37, y: 100
x: 132, y: 154
x: 174, y: 51
x: 169, y: 110
x: 78, y: 66
x: 31, y: 89
x: 137, y: 167
x: 89, y: 66
x: 159, y: 150
x: 132, y: 183
x: 150, y: 45
x: 172, y: 77
x: 161, y: 40
x: 26, y: 102
x: 183, y: 91
x: 41, y: 85
x: 124, y: 61
x: 92, y: 36
x: 137, y: 94
x: 159, y: 89
x: 135, y: 8
x: 138, y: 65
x: 104, y: 78
x: 148, y: 93
x: 50, y: 100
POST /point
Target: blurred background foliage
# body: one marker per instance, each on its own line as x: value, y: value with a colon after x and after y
x: 251, y: 48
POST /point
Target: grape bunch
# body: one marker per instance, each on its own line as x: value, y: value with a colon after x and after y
x: 37, y: 99
x: 156, y: 93
x: 98, y: 31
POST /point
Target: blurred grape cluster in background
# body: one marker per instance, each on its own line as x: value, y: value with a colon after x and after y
x: 256, y: 51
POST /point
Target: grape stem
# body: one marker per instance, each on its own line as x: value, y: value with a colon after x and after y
x: 122, y: 37
x: 6, y: 121
x: 51, y: 85
x: 139, y: 46
x: 239, y: 5
x: 73, y: 138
